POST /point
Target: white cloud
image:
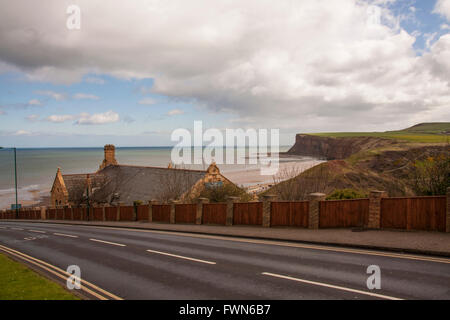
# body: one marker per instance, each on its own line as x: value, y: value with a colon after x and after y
x: 445, y: 26
x: 305, y: 65
x: 85, y: 118
x: 443, y: 8
x: 98, y: 118
x: 94, y: 80
x: 54, y: 95
x: 33, y: 117
x: 85, y: 96
x: 175, y: 112
x: 22, y: 133
x: 34, y: 102
x: 148, y: 101
x: 61, y: 118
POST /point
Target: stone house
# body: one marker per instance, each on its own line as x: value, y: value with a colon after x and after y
x: 115, y: 183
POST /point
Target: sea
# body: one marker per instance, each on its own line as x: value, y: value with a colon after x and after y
x: 36, y: 167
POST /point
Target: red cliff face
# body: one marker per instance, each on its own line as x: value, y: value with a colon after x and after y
x: 334, y: 148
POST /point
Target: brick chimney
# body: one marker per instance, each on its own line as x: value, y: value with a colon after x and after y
x: 110, y: 156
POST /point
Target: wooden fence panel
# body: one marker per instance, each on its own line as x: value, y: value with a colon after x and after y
x: 249, y: 213
x: 97, y: 214
x: 393, y: 213
x: 59, y: 214
x: 293, y: 214
x: 126, y: 213
x: 111, y: 213
x: 77, y: 213
x: 414, y: 213
x: 343, y: 213
x: 142, y: 212
x: 185, y: 213
x: 67, y: 213
x: 427, y: 213
x: 51, y: 214
x: 161, y: 213
x: 214, y: 213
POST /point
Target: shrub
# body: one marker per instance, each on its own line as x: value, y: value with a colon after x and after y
x: 340, y: 194
x: 432, y: 175
x: 222, y: 192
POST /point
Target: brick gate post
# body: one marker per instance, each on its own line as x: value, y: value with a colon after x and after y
x: 375, y: 208
x: 173, y: 203
x: 199, y: 215
x: 447, y: 228
x: 314, y: 208
x: 230, y: 209
x: 150, y: 209
x: 267, y: 209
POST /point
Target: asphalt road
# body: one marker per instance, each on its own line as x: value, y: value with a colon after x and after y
x: 138, y: 264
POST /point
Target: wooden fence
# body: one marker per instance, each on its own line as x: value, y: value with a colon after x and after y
x: 185, y: 213
x: 343, y: 213
x: 126, y: 213
x: 412, y: 213
x: 249, y: 213
x: 97, y: 214
x: 214, y: 213
x: 161, y: 213
x: 416, y: 213
x: 142, y: 212
x: 289, y: 214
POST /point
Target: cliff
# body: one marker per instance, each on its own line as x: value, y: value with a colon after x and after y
x: 385, y: 168
x: 332, y: 148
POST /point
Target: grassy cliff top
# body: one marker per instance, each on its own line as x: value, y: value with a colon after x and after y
x: 433, y: 132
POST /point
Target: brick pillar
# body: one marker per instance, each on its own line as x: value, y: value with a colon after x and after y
x: 375, y: 208
x: 199, y: 216
x: 118, y: 211
x: 135, y: 209
x: 173, y: 203
x: 314, y: 203
x: 230, y: 209
x: 43, y: 213
x: 150, y: 209
x: 447, y: 228
x: 104, y: 212
x: 267, y: 209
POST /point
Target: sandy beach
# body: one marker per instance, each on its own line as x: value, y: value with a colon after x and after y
x: 255, y: 182
x: 38, y: 167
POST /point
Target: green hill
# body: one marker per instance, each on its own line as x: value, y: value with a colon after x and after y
x: 430, y: 128
x: 433, y: 132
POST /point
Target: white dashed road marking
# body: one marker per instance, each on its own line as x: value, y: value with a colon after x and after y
x: 181, y: 257
x: 330, y: 286
x: 107, y: 242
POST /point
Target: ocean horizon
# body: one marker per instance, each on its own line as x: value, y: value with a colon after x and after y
x: 36, y: 167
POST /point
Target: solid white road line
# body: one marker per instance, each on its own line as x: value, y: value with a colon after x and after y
x: 107, y: 242
x: 331, y: 286
x: 181, y: 257
x: 65, y: 235
x: 38, y: 231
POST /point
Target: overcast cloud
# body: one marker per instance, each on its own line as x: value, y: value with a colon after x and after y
x: 291, y: 64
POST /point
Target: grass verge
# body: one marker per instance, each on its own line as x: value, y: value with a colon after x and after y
x: 18, y: 282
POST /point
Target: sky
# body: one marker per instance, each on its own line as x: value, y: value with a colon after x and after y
x: 134, y: 71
